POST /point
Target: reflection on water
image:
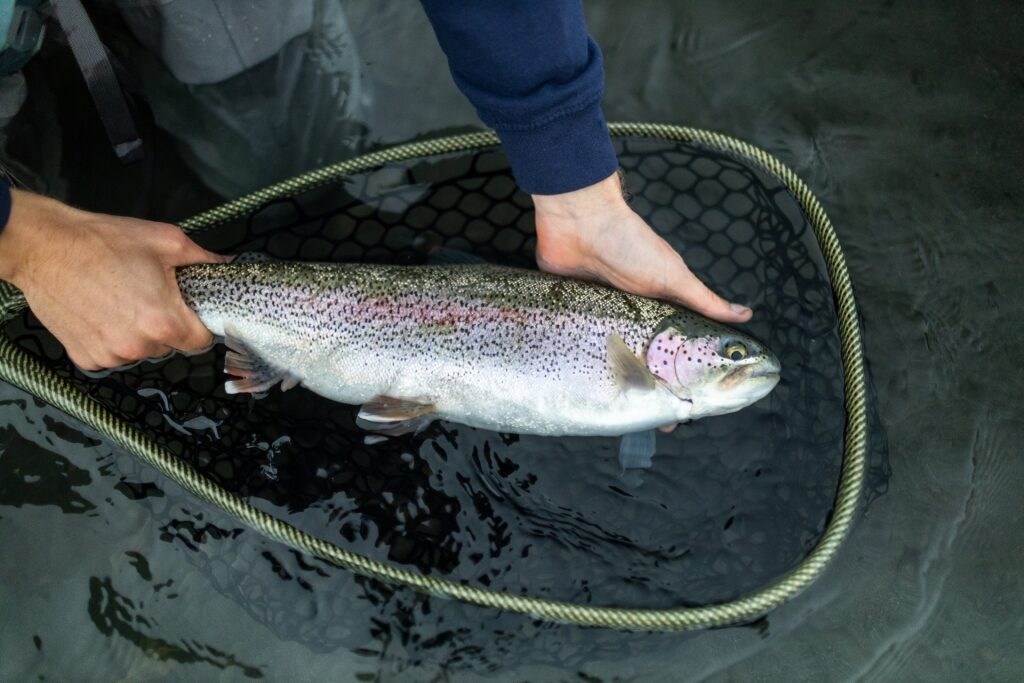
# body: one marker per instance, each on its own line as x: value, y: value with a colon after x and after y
x: 30, y: 475
x: 113, y: 613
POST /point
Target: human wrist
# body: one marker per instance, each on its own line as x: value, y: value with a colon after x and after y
x: 25, y: 231
x: 598, y: 199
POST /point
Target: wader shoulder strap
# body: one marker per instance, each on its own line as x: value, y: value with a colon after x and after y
x: 100, y: 78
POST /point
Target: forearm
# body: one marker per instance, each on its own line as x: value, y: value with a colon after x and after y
x: 23, y: 231
x: 536, y: 76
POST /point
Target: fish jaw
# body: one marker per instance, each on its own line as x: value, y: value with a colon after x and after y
x: 742, y: 387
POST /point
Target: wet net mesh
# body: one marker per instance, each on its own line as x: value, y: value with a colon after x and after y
x: 730, y: 504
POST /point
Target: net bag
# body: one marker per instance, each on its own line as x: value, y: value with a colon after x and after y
x: 739, y: 513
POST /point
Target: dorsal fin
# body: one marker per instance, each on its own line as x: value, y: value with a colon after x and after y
x: 628, y: 370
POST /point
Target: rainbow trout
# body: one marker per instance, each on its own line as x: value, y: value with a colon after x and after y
x: 493, y: 347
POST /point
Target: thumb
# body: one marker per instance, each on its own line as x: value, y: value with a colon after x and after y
x: 187, y: 252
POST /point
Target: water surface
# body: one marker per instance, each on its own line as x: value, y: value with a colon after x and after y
x: 905, y: 124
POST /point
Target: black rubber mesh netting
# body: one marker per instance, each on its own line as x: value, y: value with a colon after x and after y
x: 730, y: 504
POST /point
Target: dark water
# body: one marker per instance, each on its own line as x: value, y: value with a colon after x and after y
x: 904, y: 125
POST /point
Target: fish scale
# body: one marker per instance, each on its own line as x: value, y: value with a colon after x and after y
x: 490, y: 346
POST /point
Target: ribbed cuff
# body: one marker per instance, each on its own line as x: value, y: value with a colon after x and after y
x: 5, y: 202
x: 569, y: 153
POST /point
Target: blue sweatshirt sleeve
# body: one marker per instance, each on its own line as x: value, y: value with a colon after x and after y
x: 535, y: 76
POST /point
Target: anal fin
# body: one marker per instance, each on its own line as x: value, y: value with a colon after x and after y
x: 254, y: 374
x: 396, y: 428
x: 395, y: 416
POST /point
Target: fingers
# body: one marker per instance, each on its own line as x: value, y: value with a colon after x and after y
x: 688, y: 290
x: 84, y: 360
x: 154, y: 335
x: 194, y: 335
x: 186, y: 334
x: 170, y: 325
x: 95, y: 360
x: 118, y: 353
x: 631, y: 256
x: 178, y: 327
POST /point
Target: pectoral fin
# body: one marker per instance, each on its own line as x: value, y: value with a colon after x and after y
x: 636, y: 450
x: 254, y: 373
x: 395, y: 416
x: 629, y: 371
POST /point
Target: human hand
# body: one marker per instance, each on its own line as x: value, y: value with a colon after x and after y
x: 104, y: 286
x: 593, y: 234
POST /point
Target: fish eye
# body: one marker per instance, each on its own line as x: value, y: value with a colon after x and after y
x: 735, y: 351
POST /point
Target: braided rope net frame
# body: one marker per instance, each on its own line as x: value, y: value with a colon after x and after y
x: 23, y: 370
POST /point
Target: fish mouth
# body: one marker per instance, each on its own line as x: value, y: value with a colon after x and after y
x: 770, y: 373
x: 771, y: 369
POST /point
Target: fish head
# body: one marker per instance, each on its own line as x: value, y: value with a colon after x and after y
x: 717, y: 368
